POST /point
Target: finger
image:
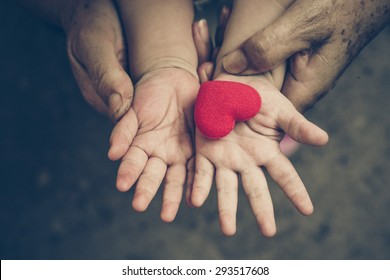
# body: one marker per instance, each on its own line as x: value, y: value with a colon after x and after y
x: 222, y: 22
x: 299, y: 28
x: 108, y: 76
x: 288, y: 146
x: 203, y: 44
x: 284, y: 174
x: 298, y: 127
x: 148, y: 183
x: 173, y: 191
x: 256, y: 189
x: 203, y: 179
x: 122, y: 135
x: 190, y: 180
x: 205, y: 71
x: 130, y: 169
x: 227, y: 189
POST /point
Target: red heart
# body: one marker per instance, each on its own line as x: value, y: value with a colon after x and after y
x: 220, y: 104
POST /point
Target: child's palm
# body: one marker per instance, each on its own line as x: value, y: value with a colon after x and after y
x: 154, y: 139
x: 250, y: 146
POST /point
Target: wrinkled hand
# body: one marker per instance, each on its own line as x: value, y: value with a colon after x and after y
x: 154, y: 138
x: 249, y: 147
x: 319, y: 37
x: 97, y: 53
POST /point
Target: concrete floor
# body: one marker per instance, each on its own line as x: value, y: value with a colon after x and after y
x: 58, y: 199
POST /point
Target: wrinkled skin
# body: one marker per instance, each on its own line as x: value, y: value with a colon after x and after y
x: 319, y: 38
x: 97, y: 53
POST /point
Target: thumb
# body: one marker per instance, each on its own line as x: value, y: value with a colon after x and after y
x: 107, y: 75
x: 299, y: 128
x: 294, y: 31
x: 114, y: 86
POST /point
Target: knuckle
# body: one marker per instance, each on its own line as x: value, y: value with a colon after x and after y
x: 256, y: 194
x: 202, y: 172
x: 287, y: 180
x: 145, y: 192
x: 259, y: 49
x: 152, y: 180
x: 173, y: 183
x: 130, y: 166
x: 100, y: 78
x: 225, y: 189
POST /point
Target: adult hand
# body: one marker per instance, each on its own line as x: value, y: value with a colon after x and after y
x: 97, y: 53
x: 319, y: 37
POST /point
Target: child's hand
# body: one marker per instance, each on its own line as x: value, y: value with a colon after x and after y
x: 154, y: 138
x: 249, y: 147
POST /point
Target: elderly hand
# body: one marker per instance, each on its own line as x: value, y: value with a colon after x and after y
x: 97, y: 53
x: 320, y: 38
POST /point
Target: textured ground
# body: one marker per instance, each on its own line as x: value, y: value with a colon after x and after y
x: 57, y: 187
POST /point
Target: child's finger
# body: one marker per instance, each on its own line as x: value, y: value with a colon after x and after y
x: 131, y: 167
x: 203, y: 179
x: 148, y: 183
x: 122, y: 135
x: 227, y: 188
x: 299, y: 128
x: 173, y: 191
x: 190, y: 180
x: 256, y: 189
x: 205, y: 72
x: 284, y: 174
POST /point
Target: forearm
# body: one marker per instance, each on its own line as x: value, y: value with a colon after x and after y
x: 362, y: 23
x: 159, y: 35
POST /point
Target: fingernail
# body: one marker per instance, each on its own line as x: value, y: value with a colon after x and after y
x: 204, y: 35
x: 115, y: 104
x: 235, y: 63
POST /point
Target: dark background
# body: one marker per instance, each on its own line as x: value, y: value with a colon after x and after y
x: 58, y: 199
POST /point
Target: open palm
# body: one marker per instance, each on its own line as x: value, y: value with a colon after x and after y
x: 249, y: 147
x: 154, y: 138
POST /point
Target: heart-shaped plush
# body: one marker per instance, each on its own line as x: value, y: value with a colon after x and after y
x: 220, y: 104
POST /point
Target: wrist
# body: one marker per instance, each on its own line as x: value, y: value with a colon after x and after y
x: 160, y: 63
